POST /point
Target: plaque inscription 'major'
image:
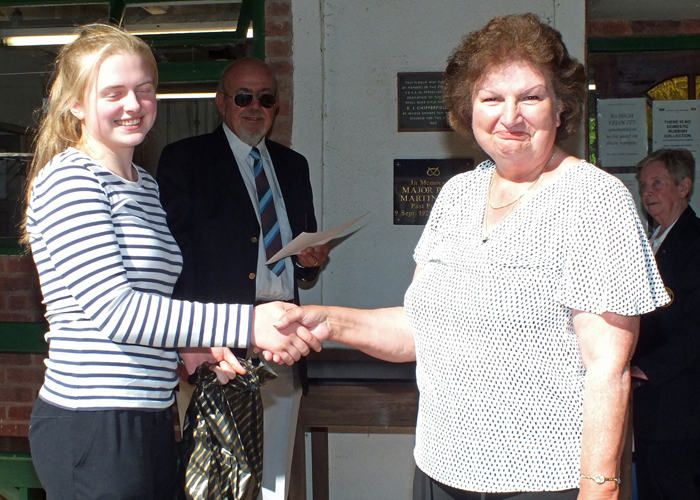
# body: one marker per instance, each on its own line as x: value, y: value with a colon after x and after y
x: 417, y: 184
x: 420, y: 103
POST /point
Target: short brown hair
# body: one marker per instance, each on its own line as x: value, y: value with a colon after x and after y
x: 507, y: 39
x: 680, y: 164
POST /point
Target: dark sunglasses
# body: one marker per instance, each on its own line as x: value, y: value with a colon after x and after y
x: 244, y: 100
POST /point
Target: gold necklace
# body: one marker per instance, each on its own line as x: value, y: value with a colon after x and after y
x: 513, y: 203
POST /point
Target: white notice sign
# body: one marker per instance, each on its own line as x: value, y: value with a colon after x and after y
x: 622, y: 132
x: 677, y: 125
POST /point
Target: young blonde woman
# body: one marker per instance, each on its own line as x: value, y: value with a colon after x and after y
x: 101, y: 427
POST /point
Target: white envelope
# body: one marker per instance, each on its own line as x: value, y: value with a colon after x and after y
x: 305, y: 240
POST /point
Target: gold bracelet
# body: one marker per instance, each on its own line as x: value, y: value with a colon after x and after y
x: 600, y: 478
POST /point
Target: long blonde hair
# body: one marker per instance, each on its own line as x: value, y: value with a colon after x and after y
x: 76, y: 65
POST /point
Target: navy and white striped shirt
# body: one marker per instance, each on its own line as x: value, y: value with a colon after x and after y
x: 107, y: 265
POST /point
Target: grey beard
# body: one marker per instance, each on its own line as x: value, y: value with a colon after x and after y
x: 251, y: 139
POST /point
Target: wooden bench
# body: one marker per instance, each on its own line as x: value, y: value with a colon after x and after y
x: 348, y: 391
x: 18, y: 479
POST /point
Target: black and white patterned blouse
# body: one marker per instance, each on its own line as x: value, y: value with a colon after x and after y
x: 498, y: 363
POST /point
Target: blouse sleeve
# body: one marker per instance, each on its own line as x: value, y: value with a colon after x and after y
x: 70, y: 220
x: 609, y: 265
x: 432, y: 232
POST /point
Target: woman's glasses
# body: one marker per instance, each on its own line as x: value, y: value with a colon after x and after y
x: 244, y: 100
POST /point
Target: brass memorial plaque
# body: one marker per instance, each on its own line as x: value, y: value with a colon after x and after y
x: 420, y: 103
x: 417, y: 184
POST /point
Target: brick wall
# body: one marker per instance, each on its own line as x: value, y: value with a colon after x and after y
x: 642, y: 28
x: 20, y: 296
x: 21, y: 375
x: 278, y: 54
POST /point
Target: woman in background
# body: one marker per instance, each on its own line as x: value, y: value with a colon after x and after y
x: 667, y: 359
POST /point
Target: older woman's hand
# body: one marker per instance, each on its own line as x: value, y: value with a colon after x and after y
x: 281, y: 341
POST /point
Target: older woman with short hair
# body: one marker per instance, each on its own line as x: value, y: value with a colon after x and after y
x: 666, y: 178
x: 531, y: 275
x: 667, y: 359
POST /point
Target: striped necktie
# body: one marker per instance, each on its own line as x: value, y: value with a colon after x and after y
x: 268, y: 214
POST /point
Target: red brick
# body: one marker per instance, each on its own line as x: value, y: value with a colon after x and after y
x: 16, y: 394
x: 656, y: 27
x: 691, y: 26
x: 19, y: 413
x: 285, y: 108
x: 608, y: 28
x: 33, y: 376
x: 25, y: 302
x: 14, y: 359
x: 282, y: 131
x: 276, y: 9
x: 37, y: 312
x: 277, y: 28
x: 14, y: 429
x: 38, y: 360
x: 2, y: 376
x: 284, y: 86
x: 280, y: 68
x: 17, y: 317
x: 282, y: 48
x: 22, y: 316
x: 17, y: 303
x: 8, y: 283
x: 23, y: 265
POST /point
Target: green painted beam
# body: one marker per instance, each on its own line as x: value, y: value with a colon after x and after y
x: 116, y: 11
x: 9, y: 492
x: 10, y: 246
x: 245, y: 17
x: 191, y: 72
x: 643, y: 43
x: 23, y: 337
x: 17, y: 471
x: 258, y: 29
x: 41, y: 3
x: 199, y: 39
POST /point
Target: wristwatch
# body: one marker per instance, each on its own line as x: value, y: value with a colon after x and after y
x: 600, y: 478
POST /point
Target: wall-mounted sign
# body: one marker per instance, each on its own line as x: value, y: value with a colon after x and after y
x: 417, y: 184
x: 677, y: 125
x: 622, y: 133
x: 421, y: 107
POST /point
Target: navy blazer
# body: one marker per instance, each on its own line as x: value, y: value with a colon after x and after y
x: 211, y: 216
x: 667, y: 407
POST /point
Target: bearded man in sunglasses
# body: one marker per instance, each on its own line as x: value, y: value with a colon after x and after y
x: 216, y: 191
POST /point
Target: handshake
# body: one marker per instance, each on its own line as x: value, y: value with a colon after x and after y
x: 282, y: 333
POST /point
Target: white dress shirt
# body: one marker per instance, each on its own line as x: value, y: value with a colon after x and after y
x: 268, y: 286
x: 657, y: 239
